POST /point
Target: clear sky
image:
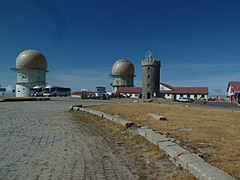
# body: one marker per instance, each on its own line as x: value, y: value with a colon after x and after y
x: 197, y: 41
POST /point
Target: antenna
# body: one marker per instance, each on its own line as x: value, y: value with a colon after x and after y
x: 149, y: 55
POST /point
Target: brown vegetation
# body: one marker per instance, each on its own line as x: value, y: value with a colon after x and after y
x: 144, y: 160
x: 214, y: 134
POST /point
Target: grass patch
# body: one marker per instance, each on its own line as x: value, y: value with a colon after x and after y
x: 214, y: 134
x: 144, y: 159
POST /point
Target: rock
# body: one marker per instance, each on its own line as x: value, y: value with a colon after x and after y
x: 157, y: 117
x: 135, y: 101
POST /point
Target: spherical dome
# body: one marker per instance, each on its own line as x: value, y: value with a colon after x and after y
x: 123, y: 67
x: 31, y: 59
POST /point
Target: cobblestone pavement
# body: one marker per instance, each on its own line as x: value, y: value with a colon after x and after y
x: 40, y: 141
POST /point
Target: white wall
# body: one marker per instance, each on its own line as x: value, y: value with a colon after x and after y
x: 22, y: 90
x: 28, y: 78
x: 134, y: 95
x: 191, y: 96
x: 31, y: 75
x: 164, y: 88
x: 229, y: 91
x: 168, y: 96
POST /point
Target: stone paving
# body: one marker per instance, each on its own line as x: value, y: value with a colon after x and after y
x: 41, y: 141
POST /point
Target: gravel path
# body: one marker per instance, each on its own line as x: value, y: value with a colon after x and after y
x: 40, y: 141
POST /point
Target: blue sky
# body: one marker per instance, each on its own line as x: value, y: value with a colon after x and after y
x: 198, y: 42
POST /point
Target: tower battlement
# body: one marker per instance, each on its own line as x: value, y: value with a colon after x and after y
x: 148, y: 62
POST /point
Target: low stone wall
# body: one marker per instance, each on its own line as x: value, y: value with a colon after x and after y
x: 182, y: 157
x: 178, y: 155
x: 117, y: 120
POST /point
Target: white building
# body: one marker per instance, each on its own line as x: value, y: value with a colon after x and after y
x: 31, y: 68
x: 233, y: 86
x: 170, y: 92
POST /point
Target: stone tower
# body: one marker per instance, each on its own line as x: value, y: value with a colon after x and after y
x: 150, y: 76
x: 31, y: 68
x: 123, y: 74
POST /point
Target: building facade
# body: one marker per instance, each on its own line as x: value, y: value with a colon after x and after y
x: 174, y: 93
x: 233, y: 91
x: 232, y: 87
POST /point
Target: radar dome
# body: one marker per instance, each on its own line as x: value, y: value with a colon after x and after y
x: 123, y: 67
x: 31, y: 59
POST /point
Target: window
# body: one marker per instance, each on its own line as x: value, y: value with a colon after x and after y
x: 148, y: 68
x: 148, y: 85
x: 148, y: 76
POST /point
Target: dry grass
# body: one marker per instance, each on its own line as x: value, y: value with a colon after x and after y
x: 212, y: 133
x: 145, y: 160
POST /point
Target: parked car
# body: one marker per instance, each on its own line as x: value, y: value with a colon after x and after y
x: 211, y: 99
x: 115, y: 95
x: 37, y: 91
x: 105, y: 96
x: 184, y: 99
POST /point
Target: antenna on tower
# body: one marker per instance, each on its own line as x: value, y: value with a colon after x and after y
x: 149, y: 55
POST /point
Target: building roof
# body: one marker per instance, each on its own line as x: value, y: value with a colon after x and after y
x: 235, y: 85
x: 174, y: 90
x: 184, y: 90
x: 187, y: 90
x: 131, y: 90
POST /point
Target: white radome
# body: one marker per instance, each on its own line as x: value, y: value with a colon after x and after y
x: 123, y: 67
x: 31, y: 59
